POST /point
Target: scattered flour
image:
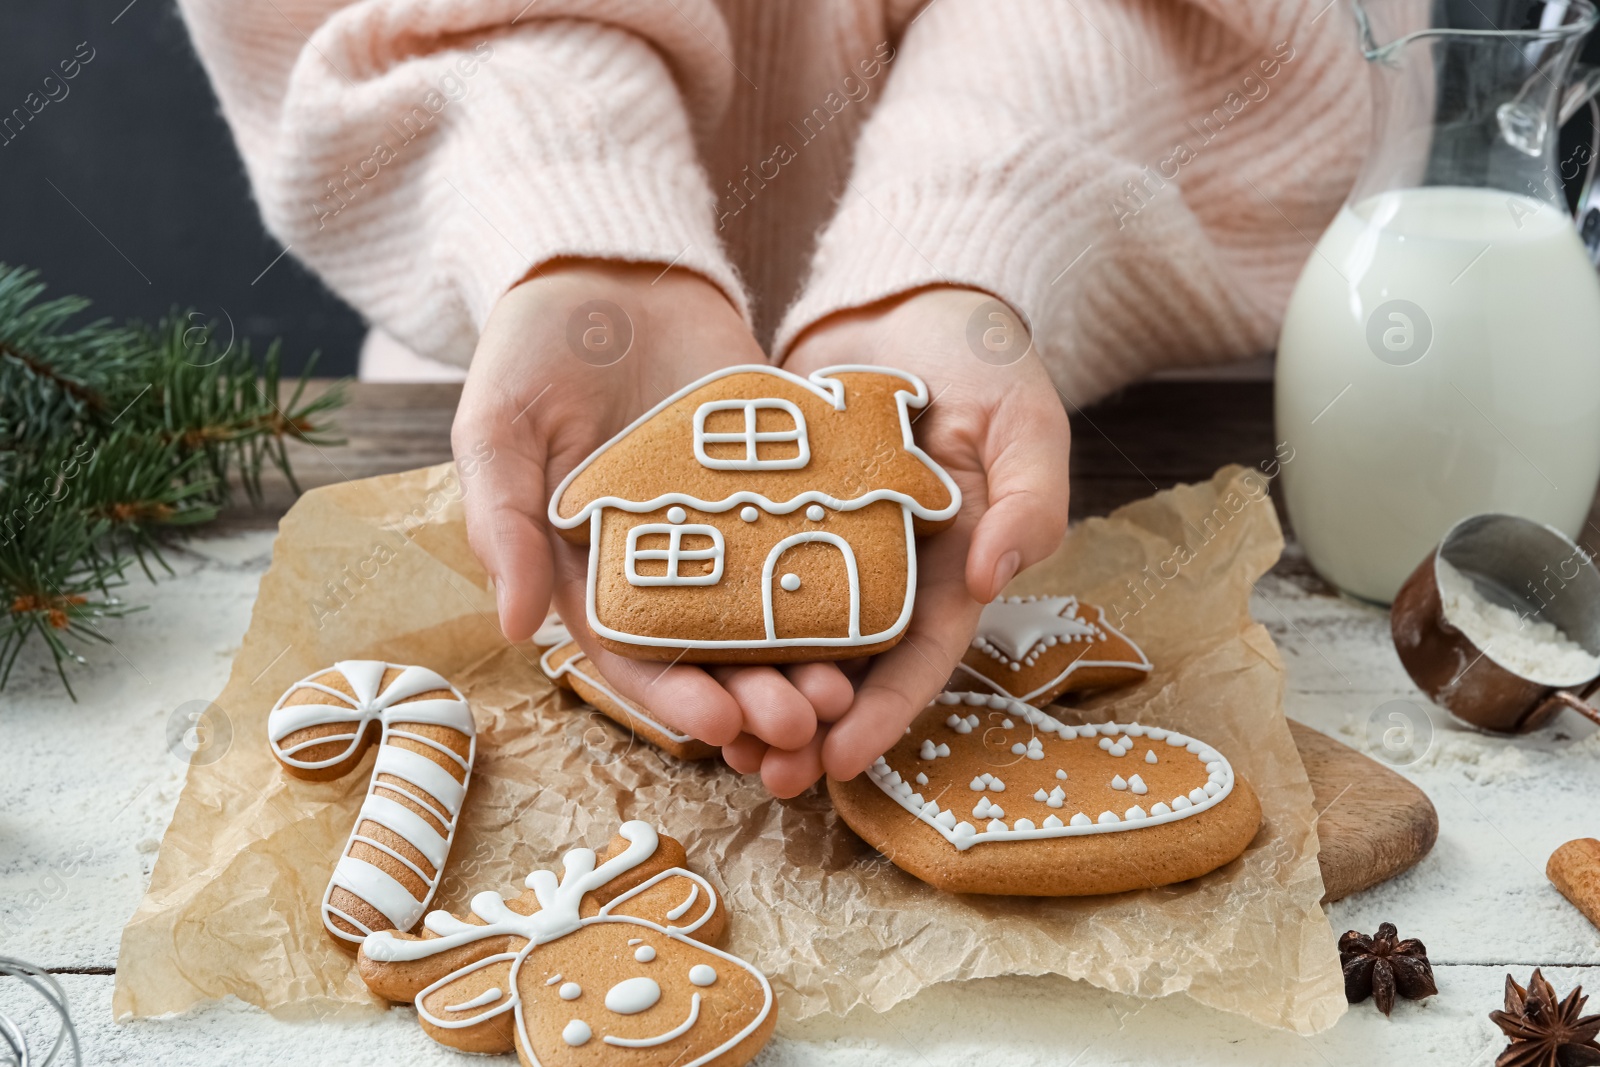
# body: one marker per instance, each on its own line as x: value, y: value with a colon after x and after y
x: 1536, y: 650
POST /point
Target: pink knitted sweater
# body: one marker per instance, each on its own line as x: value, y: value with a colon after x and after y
x: 1141, y: 179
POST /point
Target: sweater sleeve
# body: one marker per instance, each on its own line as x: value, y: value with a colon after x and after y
x: 1137, y: 178
x: 423, y: 155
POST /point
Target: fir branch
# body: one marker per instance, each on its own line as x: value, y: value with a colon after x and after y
x: 112, y: 440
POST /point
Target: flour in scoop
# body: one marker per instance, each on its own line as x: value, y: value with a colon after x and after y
x: 1539, y: 651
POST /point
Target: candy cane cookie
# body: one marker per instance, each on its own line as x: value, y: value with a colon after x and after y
x: 322, y: 727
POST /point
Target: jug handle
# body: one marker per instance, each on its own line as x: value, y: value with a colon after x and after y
x: 1583, y: 90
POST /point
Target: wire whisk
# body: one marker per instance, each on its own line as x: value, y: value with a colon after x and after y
x: 11, y: 1034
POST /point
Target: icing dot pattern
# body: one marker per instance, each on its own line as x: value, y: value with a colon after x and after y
x: 987, y: 823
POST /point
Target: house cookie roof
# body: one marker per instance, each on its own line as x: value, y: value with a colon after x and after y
x: 858, y: 427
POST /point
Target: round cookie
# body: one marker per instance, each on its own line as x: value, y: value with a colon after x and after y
x: 392, y: 863
x: 990, y: 795
x: 756, y: 516
x: 1036, y: 648
x: 611, y: 963
x: 565, y: 664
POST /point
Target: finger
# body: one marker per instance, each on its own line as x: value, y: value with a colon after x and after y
x: 744, y: 753
x: 503, y: 501
x: 774, y: 710
x: 902, y: 680
x: 681, y: 695
x: 1028, y: 492
x: 790, y: 773
x: 825, y: 686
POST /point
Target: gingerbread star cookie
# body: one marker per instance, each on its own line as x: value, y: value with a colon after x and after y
x: 1035, y: 648
x: 987, y: 794
x: 612, y: 962
x: 565, y: 664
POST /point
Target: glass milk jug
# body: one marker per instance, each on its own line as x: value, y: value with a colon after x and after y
x: 1440, y: 356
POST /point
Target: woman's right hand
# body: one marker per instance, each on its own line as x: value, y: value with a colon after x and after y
x: 567, y: 360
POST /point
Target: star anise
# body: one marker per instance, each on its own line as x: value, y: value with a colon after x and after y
x: 1382, y: 965
x: 1545, y: 1032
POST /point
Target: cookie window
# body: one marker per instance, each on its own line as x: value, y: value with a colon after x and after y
x: 674, y: 554
x: 750, y: 435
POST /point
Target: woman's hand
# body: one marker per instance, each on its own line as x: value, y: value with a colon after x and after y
x: 997, y: 426
x: 568, y: 359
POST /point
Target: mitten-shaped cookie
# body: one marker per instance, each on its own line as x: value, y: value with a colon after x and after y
x: 392, y: 863
x: 611, y: 963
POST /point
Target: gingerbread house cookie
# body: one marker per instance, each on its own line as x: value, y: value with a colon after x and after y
x: 1035, y: 648
x: 756, y: 516
x: 565, y: 664
x: 611, y: 963
x: 987, y: 794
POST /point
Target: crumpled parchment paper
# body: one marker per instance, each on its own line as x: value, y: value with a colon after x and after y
x: 381, y: 569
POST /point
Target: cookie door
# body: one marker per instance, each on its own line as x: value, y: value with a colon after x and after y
x: 812, y: 588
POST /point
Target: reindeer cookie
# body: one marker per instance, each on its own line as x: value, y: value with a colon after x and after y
x: 759, y: 517
x: 565, y: 664
x: 986, y: 794
x: 320, y: 729
x: 608, y: 965
x: 1036, y: 648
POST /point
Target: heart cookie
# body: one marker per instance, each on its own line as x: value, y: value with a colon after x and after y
x: 611, y: 963
x: 987, y: 794
x: 1035, y: 648
x: 565, y: 664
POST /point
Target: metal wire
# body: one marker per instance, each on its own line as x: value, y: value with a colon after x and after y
x: 44, y: 983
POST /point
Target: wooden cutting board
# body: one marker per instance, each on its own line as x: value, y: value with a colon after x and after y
x: 1373, y: 823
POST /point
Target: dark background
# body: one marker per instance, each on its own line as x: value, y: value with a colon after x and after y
x: 139, y: 148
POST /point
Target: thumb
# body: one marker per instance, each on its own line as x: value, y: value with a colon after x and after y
x: 504, y: 507
x: 1028, y: 492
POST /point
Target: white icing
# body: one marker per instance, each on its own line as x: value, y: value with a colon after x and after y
x: 1150, y: 755
x: 831, y: 389
x: 676, y: 515
x: 1136, y: 785
x: 674, y: 554
x: 678, y: 911
x: 790, y: 582
x: 964, y: 835
x: 852, y: 574
x: 644, y: 953
x: 815, y: 513
x: 661, y: 1039
x: 633, y: 995
x: 702, y: 975
x: 488, y: 996
x: 1119, y: 782
x: 1052, y: 822
x: 749, y: 514
x: 559, y: 901
x: 553, y: 979
x: 569, y: 666
x: 1014, y: 630
x: 553, y: 632
x: 421, y: 780
x: 570, y: 991
x: 1134, y: 813
x: 751, y: 438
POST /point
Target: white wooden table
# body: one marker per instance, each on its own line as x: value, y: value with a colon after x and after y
x: 88, y: 789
